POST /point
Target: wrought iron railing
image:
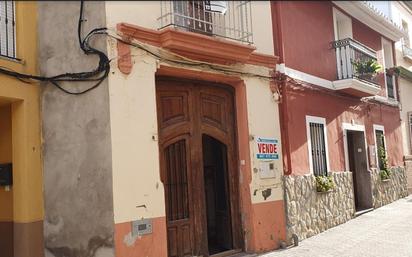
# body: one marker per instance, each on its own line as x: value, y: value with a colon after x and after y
x: 349, y: 51
x: 227, y: 19
x: 7, y: 29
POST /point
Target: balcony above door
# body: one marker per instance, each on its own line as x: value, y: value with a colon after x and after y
x: 353, y: 68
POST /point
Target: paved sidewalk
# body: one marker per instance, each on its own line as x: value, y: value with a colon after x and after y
x: 384, y: 232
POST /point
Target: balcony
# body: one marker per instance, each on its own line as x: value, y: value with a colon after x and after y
x: 225, y: 19
x: 348, y: 79
x: 407, y: 52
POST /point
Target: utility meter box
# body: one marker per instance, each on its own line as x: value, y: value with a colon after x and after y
x: 6, y: 175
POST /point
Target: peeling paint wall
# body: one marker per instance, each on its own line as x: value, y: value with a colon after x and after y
x: 76, y: 134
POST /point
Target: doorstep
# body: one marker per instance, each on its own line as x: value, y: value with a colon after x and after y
x: 358, y: 213
x: 234, y: 253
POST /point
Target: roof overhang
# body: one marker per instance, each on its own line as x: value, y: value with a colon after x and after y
x: 371, y: 17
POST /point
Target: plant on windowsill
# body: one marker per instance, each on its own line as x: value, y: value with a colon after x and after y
x: 393, y: 71
x: 366, y: 70
x: 324, y: 184
x: 384, y: 173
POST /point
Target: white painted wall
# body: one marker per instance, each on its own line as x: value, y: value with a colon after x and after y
x: 263, y: 121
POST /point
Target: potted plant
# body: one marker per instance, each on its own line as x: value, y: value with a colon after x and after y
x: 393, y: 71
x: 366, y: 69
x: 324, y: 184
x: 384, y: 172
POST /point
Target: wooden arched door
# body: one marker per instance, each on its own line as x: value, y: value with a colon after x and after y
x: 198, y: 167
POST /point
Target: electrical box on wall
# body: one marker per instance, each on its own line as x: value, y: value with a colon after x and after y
x: 141, y: 227
x: 6, y: 175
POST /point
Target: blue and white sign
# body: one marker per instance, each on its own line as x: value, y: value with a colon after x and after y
x: 267, y: 148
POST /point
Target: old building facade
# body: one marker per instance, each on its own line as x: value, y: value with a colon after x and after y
x: 21, y: 195
x: 209, y: 129
x: 336, y: 121
x: 177, y: 153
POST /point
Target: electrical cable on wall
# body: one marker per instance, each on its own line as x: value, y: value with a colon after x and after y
x: 97, y: 75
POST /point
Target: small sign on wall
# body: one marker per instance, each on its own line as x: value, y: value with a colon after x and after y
x: 267, y: 149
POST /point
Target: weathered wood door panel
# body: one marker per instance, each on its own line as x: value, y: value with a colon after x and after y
x: 186, y: 112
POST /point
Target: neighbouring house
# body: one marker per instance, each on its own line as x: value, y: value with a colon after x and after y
x: 401, y: 13
x: 21, y: 191
x: 178, y: 152
x: 339, y: 110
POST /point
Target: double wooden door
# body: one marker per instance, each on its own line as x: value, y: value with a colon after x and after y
x: 198, y: 164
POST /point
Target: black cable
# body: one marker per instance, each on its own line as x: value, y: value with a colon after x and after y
x: 89, y: 76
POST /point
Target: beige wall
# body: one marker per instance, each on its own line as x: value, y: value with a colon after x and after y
x: 136, y: 176
x: 145, y: 14
x: 399, y: 13
x: 406, y: 94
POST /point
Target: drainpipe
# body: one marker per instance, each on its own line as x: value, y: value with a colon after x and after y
x: 280, y: 80
x: 279, y: 87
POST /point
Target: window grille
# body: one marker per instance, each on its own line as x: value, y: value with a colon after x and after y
x: 380, y: 144
x: 7, y: 29
x: 318, y: 145
x: 226, y: 19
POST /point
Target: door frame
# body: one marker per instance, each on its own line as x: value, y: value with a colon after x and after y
x: 235, y: 196
x: 353, y: 127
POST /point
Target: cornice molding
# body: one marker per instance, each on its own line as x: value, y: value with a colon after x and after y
x: 370, y: 17
x: 197, y: 46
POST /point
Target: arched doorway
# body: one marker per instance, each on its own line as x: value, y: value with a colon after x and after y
x: 198, y: 163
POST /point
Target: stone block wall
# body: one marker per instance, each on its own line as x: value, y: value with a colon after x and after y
x: 309, y: 212
x: 385, y: 192
x: 408, y: 172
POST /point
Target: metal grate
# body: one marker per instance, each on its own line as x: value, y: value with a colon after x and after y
x: 7, y: 29
x: 317, y: 138
x: 176, y: 184
x: 227, y: 19
x: 380, y: 143
x: 349, y: 51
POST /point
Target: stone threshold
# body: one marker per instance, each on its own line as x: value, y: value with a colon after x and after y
x: 358, y: 213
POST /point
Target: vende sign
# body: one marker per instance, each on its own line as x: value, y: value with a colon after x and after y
x: 267, y: 148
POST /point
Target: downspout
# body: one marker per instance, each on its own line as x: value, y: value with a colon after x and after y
x: 280, y: 80
x: 279, y: 87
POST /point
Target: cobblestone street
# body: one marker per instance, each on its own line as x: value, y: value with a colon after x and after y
x: 386, y: 231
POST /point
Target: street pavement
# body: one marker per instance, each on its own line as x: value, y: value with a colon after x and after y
x: 384, y: 232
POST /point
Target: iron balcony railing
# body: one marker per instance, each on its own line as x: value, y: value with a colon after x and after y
x: 349, y: 51
x: 227, y: 19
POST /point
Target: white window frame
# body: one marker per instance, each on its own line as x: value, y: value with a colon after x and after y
x: 386, y: 42
x: 318, y: 120
x: 336, y: 15
x: 377, y: 127
x: 353, y: 127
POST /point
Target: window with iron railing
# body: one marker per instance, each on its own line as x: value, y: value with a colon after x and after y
x: 227, y: 19
x: 317, y: 144
x: 348, y: 52
x: 7, y: 29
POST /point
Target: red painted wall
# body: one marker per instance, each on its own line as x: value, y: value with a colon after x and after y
x: 307, y: 37
x: 307, y: 34
x: 366, y: 35
x: 337, y: 110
